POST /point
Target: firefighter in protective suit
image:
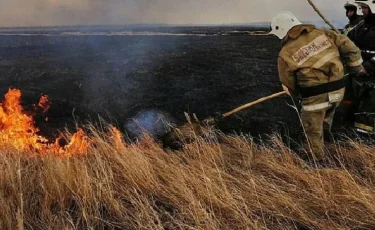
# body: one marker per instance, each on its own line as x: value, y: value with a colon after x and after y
x: 351, y: 13
x: 363, y: 35
x: 310, y: 64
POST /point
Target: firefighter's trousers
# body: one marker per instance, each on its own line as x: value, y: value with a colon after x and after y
x: 317, y: 115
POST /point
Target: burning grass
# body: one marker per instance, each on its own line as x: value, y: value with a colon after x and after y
x: 234, y: 184
x: 98, y: 181
x: 18, y: 130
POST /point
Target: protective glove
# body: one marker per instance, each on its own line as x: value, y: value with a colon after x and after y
x: 354, y: 70
x: 362, y: 70
x: 362, y: 73
x: 369, y: 66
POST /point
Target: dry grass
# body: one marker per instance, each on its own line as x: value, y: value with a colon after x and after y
x: 234, y: 184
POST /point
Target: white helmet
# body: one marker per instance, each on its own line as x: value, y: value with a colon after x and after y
x: 282, y: 23
x: 350, y: 5
x: 369, y: 3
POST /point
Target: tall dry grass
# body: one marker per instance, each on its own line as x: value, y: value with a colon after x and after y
x: 234, y: 184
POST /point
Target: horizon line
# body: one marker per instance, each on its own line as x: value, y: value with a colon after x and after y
x: 260, y: 24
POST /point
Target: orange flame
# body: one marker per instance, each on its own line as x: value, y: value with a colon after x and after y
x: 117, y: 138
x: 19, y: 131
x: 78, y: 144
x: 44, y: 103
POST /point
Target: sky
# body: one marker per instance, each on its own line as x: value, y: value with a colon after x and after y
x: 120, y: 12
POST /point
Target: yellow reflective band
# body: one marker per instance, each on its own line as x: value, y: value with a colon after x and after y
x: 321, y: 62
x: 335, y: 97
x: 325, y: 59
x: 311, y: 108
x: 364, y: 127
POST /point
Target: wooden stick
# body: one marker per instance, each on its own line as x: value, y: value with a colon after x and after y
x: 212, y: 120
x: 253, y: 103
x: 321, y: 15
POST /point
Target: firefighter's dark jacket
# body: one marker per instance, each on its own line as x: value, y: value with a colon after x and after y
x: 363, y: 35
x: 353, y: 21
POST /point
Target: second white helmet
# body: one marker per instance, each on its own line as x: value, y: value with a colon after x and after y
x: 369, y: 3
x: 282, y: 23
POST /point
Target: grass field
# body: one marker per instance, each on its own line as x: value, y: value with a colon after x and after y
x: 231, y: 184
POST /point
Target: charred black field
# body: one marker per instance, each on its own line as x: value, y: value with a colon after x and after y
x: 201, y: 70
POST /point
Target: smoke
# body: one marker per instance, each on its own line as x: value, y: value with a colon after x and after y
x: 94, y: 12
x: 152, y: 122
x: 120, y: 77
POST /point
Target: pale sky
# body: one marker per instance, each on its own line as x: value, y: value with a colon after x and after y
x: 98, y: 12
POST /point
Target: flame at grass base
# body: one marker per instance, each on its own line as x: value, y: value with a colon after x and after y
x: 18, y: 131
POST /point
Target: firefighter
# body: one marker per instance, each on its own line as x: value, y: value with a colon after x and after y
x: 310, y: 64
x: 351, y: 14
x: 363, y: 35
x: 349, y: 105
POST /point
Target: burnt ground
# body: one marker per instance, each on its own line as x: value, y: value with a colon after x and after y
x: 119, y: 76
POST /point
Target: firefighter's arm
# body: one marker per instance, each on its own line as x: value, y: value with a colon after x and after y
x: 287, y: 77
x: 349, y: 52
